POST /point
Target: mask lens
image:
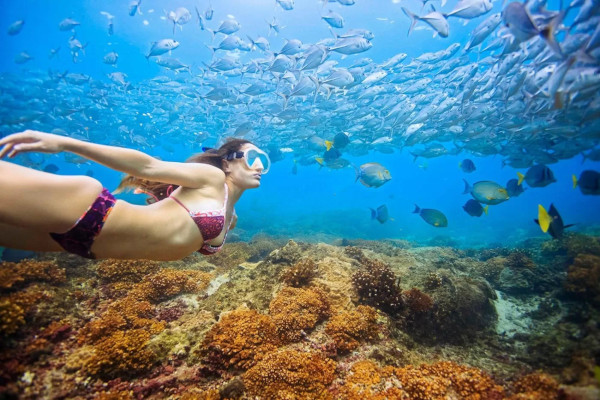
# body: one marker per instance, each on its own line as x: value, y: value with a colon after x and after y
x: 255, y: 158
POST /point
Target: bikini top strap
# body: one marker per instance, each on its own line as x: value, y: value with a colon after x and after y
x: 179, y: 202
x: 226, y: 195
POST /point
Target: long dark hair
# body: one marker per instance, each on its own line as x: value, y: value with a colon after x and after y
x: 159, y: 190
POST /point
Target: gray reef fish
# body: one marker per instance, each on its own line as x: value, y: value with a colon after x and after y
x: 432, y: 216
x: 537, y: 176
x: 486, y: 192
x: 15, y: 27
x: 372, y: 174
x: 588, y: 182
x: 380, y: 214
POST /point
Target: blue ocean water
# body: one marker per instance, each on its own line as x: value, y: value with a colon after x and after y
x: 317, y: 203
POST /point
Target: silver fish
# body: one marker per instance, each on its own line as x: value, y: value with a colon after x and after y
x: 162, y: 46
x: 434, y: 19
x: 351, y: 45
x: 15, y: 27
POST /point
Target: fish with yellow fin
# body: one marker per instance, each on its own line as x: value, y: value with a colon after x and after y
x: 550, y: 221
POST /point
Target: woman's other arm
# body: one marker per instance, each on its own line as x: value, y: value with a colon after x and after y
x: 122, y: 159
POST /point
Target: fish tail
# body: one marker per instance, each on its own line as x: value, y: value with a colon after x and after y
x: 413, y: 20
x: 544, y: 218
x: 485, y: 209
x: 212, y: 33
x: 521, y: 177
x: 212, y: 50
x: 285, y: 99
x: 548, y: 33
x: 373, y: 213
x: 417, y: 210
x: 574, y: 178
x: 357, y: 172
x: 467, y: 187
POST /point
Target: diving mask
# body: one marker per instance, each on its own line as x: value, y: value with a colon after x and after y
x: 254, y: 158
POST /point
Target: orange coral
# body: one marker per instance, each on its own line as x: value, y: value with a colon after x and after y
x: 126, y: 313
x: 366, y: 381
x: 170, y: 282
x: 14, y: 274
x: 240, y: 338
x: 300, y: 274
x: 296, y: 310
x: 291, y: 374
x: 349, y: 328
x: 438, y: 380
x: 536, y: 386
x: 131, y: 271
x: 123, y: 353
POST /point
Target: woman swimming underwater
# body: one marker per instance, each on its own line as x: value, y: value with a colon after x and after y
x: 191, y: 206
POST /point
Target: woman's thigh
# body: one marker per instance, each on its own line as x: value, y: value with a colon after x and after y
x: 44, y: 202
x: 15, y: 237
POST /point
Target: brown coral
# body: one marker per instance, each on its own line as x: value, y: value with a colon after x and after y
x: 377, y: 285
x: 239, y: 339
x: 15, y: 307
x: 300, y: 274
x: 17, y: 274
x: 583, y: 277
x: 295, y: 310
x: 350, y: 328
x: 417, y: 301
x: 291, y: 374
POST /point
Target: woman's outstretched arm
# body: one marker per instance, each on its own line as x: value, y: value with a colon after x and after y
x: 122, y: 159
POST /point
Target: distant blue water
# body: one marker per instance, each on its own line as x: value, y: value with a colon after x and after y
x: 317, y: 203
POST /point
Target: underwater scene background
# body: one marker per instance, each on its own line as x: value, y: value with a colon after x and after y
x: 320, y: 291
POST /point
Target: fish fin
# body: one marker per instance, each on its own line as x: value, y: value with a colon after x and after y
x: 544, y: 218
x: 328, y: 144
x: 413, y: 20
x: 467, y: 187
x: 485, y: 209
x: 521, y: 177
x: 319, y: 160
x: 417, y: 210
x: 574, y: 178
x: 568, y: 226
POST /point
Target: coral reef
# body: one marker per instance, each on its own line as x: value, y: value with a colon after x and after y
x: 295, y: 311
x: 170, y: 282
x: 123, y: 353
x: 583, y: 278
x: 131, y: 271
x: 15, y: 275
x: 348, y: 329
x: 290, y: 374
x: 137, y: 329
x: 377, y: 286
x: 240, y: 339
x: 300, y: 274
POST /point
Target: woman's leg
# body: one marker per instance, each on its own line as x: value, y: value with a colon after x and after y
x: 41, y: 202
x: 15, y: 237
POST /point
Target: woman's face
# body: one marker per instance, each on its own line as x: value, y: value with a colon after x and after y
x: 244, y: 176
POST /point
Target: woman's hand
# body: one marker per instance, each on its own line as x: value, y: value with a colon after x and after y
x: 31, y: 141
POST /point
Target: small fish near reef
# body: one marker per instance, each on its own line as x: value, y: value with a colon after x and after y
x: 432, y: 217
x: 537, y: 176
x: 381, y: 214
x: 372, y: 174
x: 467, y: 165
x: 486, y: 192
x: 550, y: 221
x: 474, y: 208
x: 588, y: 182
